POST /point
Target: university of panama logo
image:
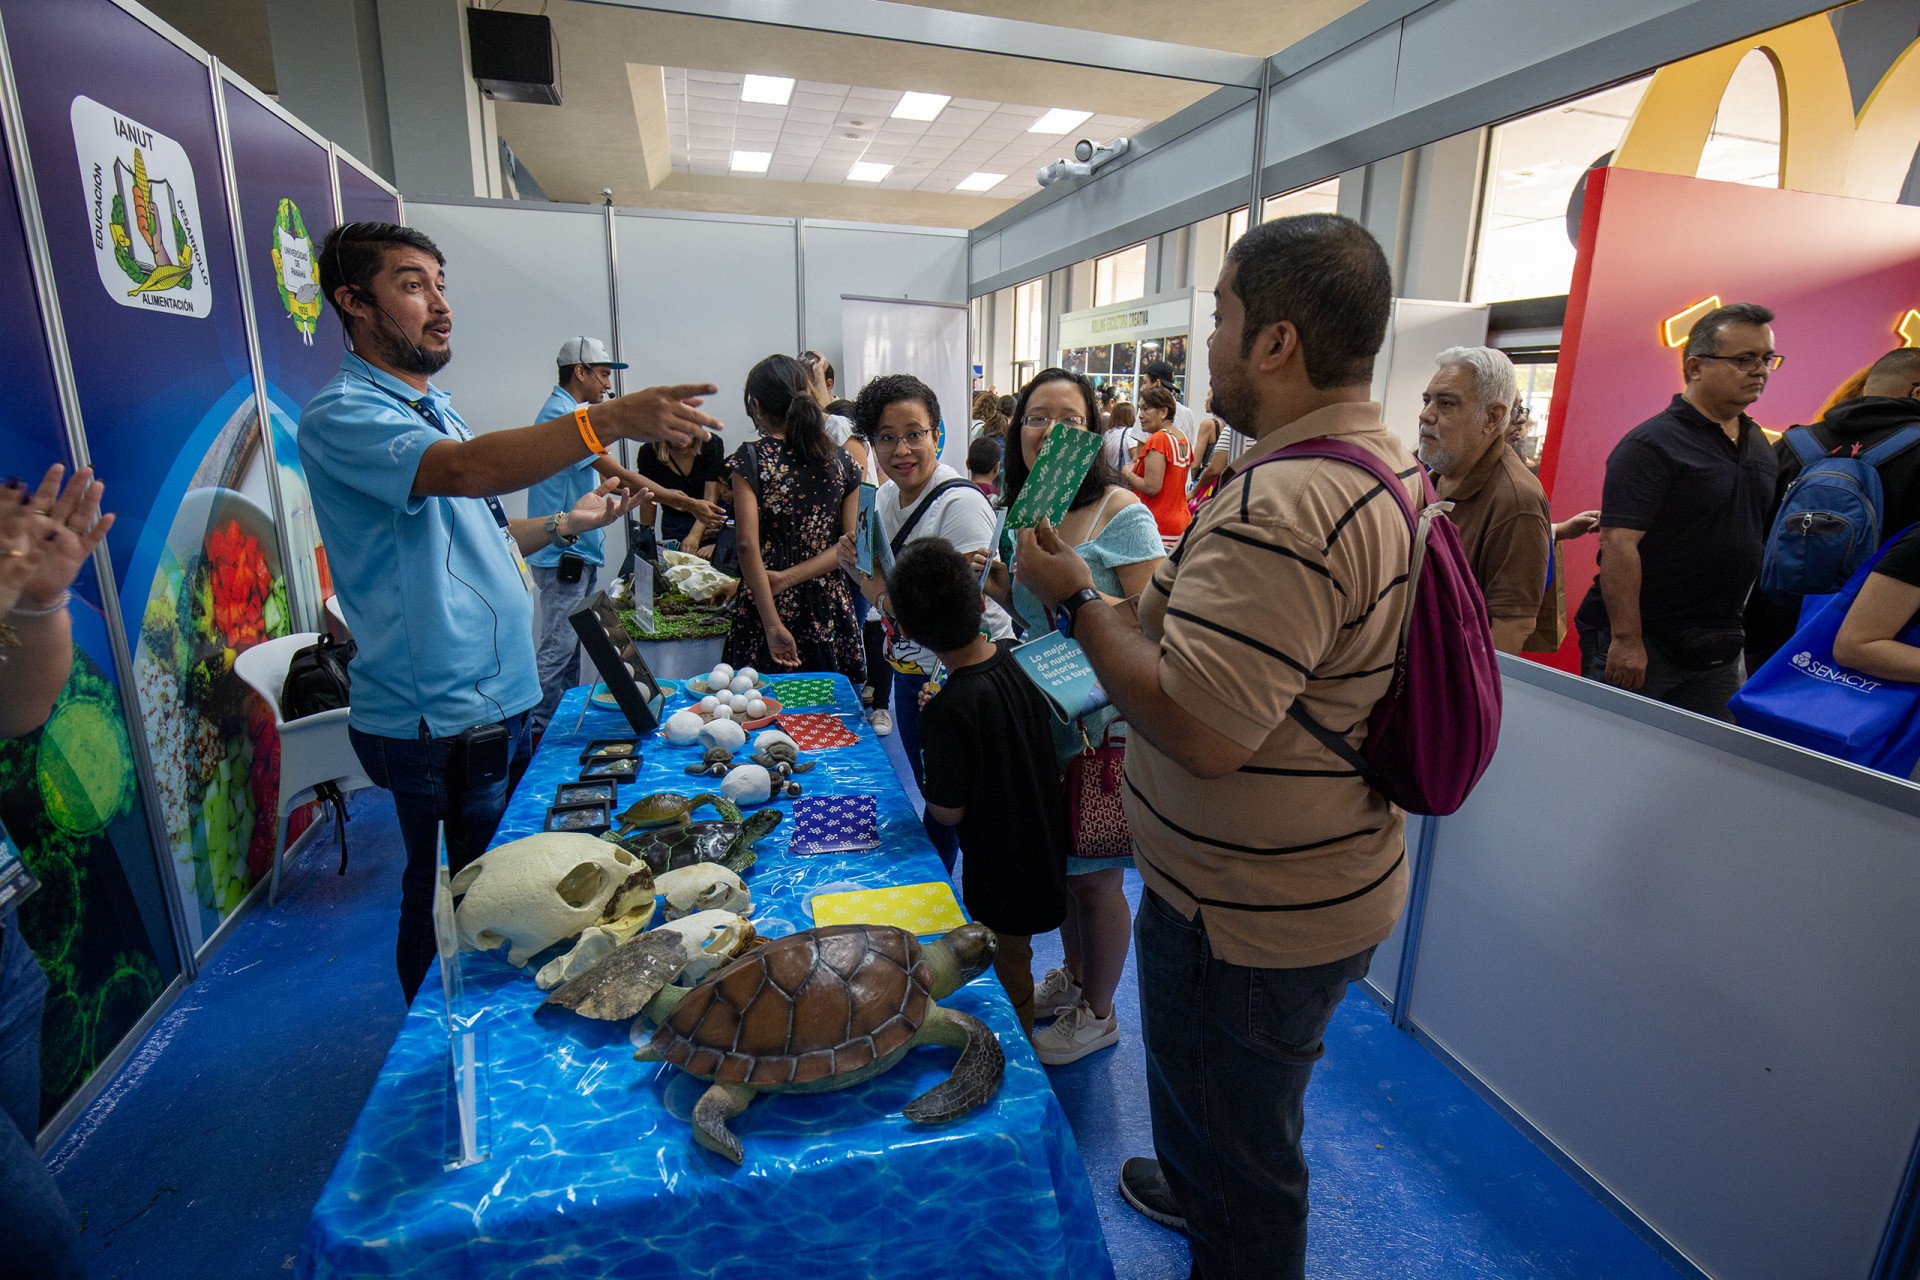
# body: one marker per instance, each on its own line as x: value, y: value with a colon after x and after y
x: 143, y: 212
x: 293, y: 272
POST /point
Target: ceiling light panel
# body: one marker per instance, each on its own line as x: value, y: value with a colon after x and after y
x: 980, y: 182
x: 920, y: 106
x: 868, y: 171
x: 771, y: 90
x: 751, y: 161
x: 1059, y: 120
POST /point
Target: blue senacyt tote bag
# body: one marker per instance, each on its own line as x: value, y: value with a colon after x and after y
x: 1801, y: 695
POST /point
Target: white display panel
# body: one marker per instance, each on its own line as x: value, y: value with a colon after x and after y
x: 1420, y: 330
x: 924, y: 339
x: 703, y: 298
x: 913, y: 264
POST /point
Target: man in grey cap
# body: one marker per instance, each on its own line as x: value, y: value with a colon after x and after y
x: 566, y: 576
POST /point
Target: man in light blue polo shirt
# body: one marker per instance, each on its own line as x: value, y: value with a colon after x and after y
x: 566, y: 576
x: 426, y: 564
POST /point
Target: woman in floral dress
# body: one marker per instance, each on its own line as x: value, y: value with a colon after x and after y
x: 794, y: 497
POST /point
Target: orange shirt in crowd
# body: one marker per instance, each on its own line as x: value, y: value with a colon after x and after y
x: 1169, y: 506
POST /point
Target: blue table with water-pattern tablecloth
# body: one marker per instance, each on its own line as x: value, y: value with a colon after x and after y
x: 593, y: 1171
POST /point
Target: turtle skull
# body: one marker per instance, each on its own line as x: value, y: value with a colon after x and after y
x: 713, y: 937
x: 704, y: 886
x: 545, y: 888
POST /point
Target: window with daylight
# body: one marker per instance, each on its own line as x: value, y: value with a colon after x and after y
x: 1120, y: 277
x: 1321, y: 197
x: 1029, y: 320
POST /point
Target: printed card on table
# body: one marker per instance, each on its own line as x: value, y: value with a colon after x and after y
x: 818, y: 732
x: 920, y: 909
x: 835, y: 824
x: 804, y: 693
x: 1055, y: 477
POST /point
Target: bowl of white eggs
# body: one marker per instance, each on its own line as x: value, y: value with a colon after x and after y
x: 727, y: 694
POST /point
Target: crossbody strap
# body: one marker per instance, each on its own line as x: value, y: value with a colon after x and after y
x: 899, y: 539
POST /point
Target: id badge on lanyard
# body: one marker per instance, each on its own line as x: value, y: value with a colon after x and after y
x: 425, y: 410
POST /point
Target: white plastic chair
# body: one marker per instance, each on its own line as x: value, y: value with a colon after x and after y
x: 313, y: 749
x: 338, y: 616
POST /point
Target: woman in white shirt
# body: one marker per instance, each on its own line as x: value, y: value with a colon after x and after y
x: 921, y: 497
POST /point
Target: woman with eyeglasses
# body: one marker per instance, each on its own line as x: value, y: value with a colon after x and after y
x: 1159, y: 474
x: 921, y: 497
x: 1115, y: 533
x: 795, y: 495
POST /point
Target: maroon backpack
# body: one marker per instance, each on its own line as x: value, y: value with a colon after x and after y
x: 1433, y: 733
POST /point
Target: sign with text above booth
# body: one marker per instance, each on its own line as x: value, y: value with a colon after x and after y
x: 123, y: 144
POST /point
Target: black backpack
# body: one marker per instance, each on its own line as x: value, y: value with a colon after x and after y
x: 317, y: 681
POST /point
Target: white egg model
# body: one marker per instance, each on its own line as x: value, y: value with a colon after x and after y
x: 756, y: 708
x: 741, y: 683
x: 723, y: 713
x: 747, y: 784
x: 750, y: 674
x: 720, y: 675
x: 682, y: 727
x: 707, y: 704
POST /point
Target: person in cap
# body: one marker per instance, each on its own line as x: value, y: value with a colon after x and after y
x: 568, y: 575
x: 1159, y: 373
x: 429, y: 567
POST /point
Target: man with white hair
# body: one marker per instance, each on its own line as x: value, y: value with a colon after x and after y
x: 1498, y: 506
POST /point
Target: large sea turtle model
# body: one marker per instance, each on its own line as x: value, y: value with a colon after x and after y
x: 664, y: 808
x: 729, y: 843
x: 827, y: 1009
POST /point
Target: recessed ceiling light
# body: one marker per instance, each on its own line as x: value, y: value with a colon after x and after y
x: 921, y: 106
x: 1059, y: 120
x: 772, y: 90
x: 867, y: 171
x: 981, y: 181
x: 751, y: 161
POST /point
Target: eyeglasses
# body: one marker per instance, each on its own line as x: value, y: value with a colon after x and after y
x: 910, y: 438
x: 1750, y: 363
x: 1040, y: 420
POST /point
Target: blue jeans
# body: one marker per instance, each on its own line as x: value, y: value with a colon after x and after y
x: 38, y: 1239
x: 419, y: 773
x: 1229, y: 1053
x: 556, y: 644
x: 906, y: 720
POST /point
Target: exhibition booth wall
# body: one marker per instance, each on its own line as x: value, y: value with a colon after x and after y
x: 162, y: 290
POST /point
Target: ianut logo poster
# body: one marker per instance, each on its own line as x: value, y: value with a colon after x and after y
x: 144, y: 212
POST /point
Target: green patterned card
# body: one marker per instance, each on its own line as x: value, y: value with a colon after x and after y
x: 1055, y: 477
x: 803, y: 693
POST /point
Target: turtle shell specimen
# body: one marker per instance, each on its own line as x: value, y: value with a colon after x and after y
x: 803, y: 1008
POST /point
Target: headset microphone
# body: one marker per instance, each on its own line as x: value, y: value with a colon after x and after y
x: 368, y: 298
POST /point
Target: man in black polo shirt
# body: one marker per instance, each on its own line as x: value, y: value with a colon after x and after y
x: 1683, y: 525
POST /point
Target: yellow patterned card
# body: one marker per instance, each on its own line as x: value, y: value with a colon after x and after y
x: 920, y: 909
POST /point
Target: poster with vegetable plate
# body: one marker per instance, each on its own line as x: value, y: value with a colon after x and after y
x: 125, y: 155
x: 70, y: 803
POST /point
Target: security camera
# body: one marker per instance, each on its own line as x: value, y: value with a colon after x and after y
x: 1087, y: 156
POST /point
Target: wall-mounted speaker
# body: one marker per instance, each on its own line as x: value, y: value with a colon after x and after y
x: 515, y: 56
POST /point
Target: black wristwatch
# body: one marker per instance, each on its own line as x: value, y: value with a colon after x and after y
x: 1064, y: 615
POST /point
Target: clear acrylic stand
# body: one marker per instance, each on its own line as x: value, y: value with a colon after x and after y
x: 467, y: 1130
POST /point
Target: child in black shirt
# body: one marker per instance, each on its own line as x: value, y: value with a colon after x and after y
x: 990, y: 764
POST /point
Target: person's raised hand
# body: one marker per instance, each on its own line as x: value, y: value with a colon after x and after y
x: 1048, y: 567
x: 601, y: 507
x: 1576, y: 526
x: 978, y: 559
x: 710, y: 514
x: 659, y: 413
x: 847, y: 554
x: 56, y: 530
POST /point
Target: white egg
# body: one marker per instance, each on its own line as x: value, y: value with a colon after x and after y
x: 726, y: 672
x: 723, y: 713
x: 749, y: 673
x: 756, y: 708
x: 682, y: 727
x: 708, y: 703
x: 740, y: 683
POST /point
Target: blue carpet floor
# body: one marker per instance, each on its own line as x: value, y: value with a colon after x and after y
x: 204, y: 1157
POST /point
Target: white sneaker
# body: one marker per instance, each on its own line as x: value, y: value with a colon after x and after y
x: 882, y: 721
x: 1056, y: 994
x: 1074, y: 1035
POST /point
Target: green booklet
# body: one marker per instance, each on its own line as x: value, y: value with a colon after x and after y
x: 1055, y: 478
x: 1059, y: 668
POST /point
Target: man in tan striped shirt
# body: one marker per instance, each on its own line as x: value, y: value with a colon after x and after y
x: 1272, y: 870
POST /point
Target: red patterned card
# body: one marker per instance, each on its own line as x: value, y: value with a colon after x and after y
x: 818, y: 732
